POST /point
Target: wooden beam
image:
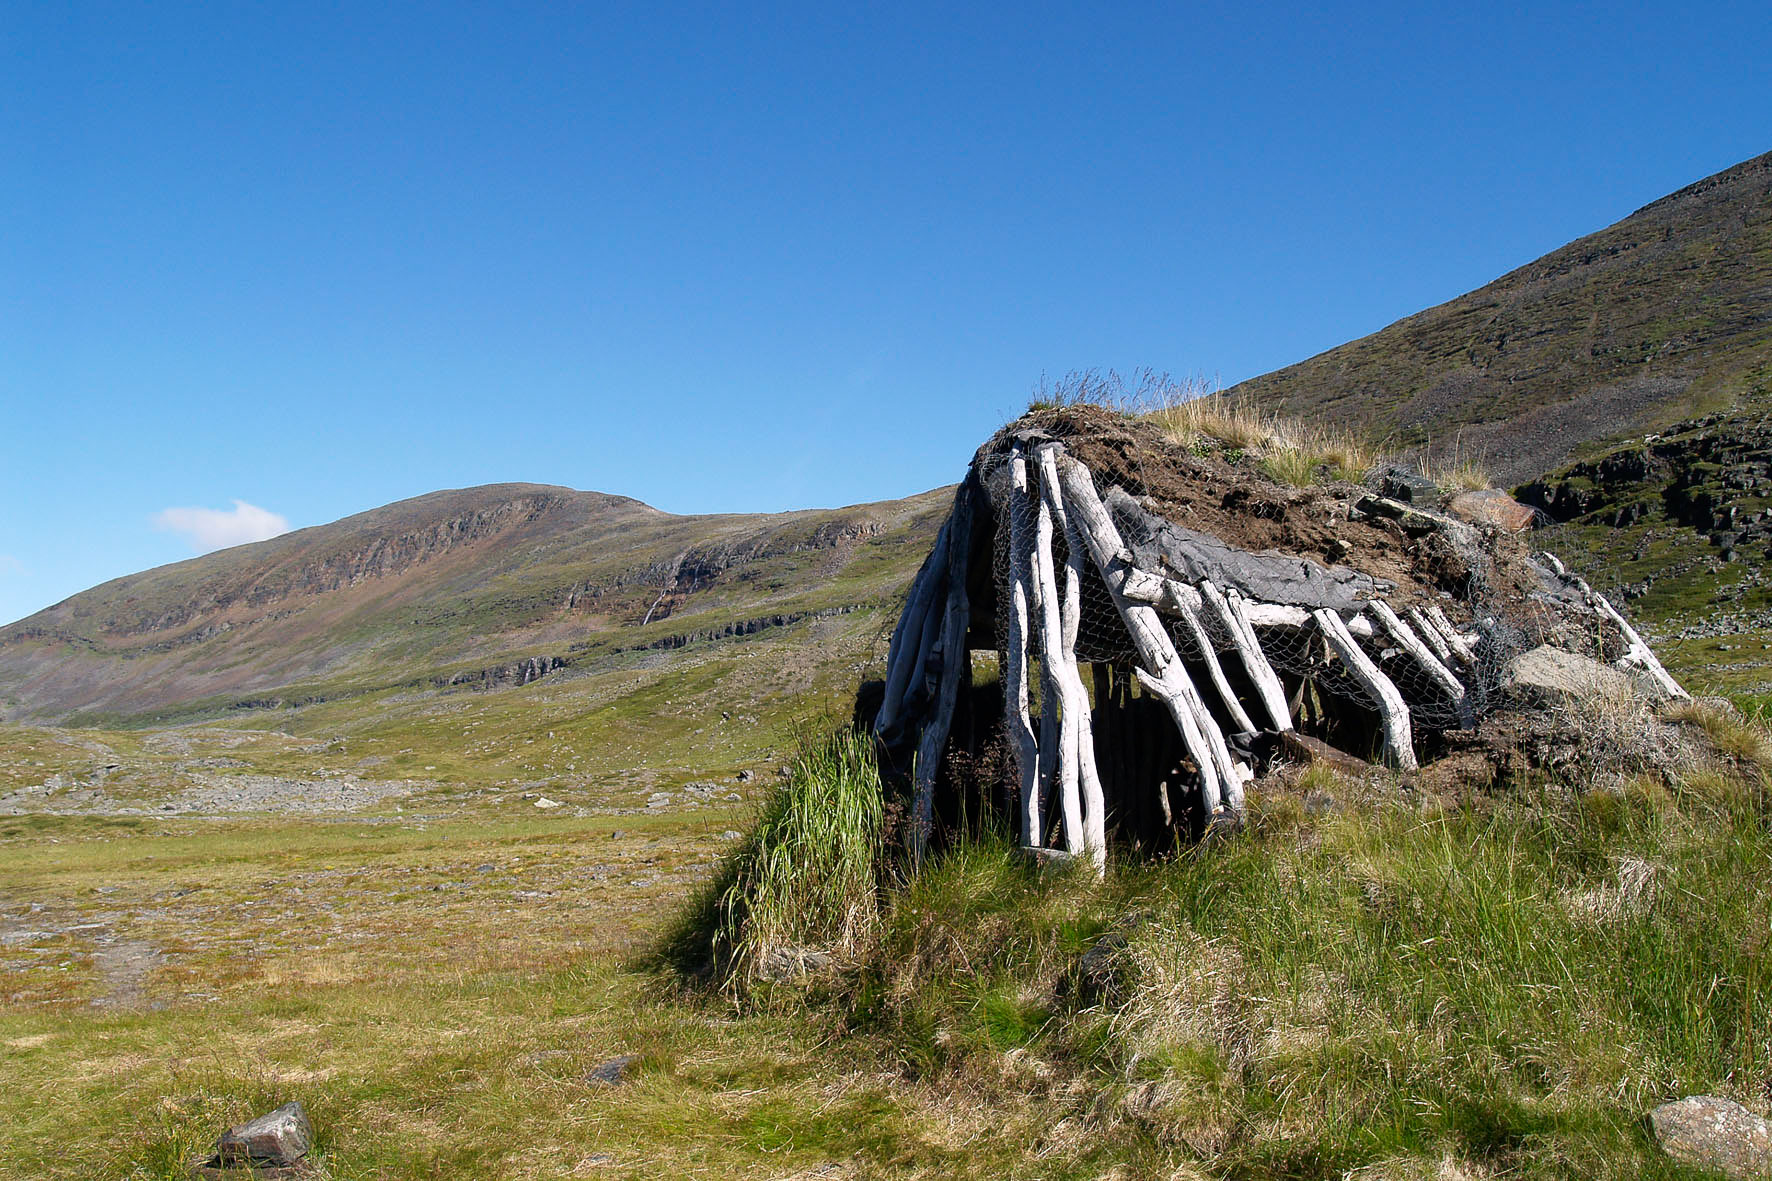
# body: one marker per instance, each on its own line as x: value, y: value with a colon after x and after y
x: 1015, y: 672
x: 1393, y: 711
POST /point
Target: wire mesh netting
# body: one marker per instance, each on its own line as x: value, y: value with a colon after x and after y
x: 1495, y: 630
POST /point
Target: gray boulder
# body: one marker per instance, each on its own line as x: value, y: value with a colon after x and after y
x: 277, y: 1139
x: 1548, y: 676
x: 612, y: 1073
x: 1712, y: 1133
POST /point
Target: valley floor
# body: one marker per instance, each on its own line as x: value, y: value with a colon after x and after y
x: 197, y: 925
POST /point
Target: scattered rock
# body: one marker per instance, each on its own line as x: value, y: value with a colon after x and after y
x: 1548, y: 676
x: 1098, y: 972
x: 1409, y: 487
x: 612, y: 1073
x: 280, y: 1139
x: 544, y: 802
x: 731, y: 835
x: 1491, y: 506
x: 1304, y: 749
x: 793, y: 963
x: 1046, y: 858
x: 745, y: 776
x: 1713, y: 1133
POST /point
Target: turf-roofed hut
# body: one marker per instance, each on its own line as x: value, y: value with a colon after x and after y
x: 1169, y: 621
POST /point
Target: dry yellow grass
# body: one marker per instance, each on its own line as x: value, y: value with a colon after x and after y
x: 1290, y: 451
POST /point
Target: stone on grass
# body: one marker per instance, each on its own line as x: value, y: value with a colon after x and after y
x: 544, y: 802
x: 1713, y: 1133
x: 276, y: 1140
x: 612, y: 1073
x: 1548, y: 676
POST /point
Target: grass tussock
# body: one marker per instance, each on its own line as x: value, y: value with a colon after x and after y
x: 1373, y: 989
x: 1457, y: 469
x: 803, y: 886
x: 1193, y: 414
x: 1734, y: 734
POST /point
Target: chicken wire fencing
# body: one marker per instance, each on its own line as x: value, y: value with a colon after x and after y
x: 1300, y: 656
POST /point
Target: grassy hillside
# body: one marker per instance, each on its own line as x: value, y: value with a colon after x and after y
x: 482, y: 586
x: 1660, y: 317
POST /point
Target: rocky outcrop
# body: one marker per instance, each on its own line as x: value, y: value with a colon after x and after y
x: 520, y: 672
x: 740, y: 627
x: 1711, y: 474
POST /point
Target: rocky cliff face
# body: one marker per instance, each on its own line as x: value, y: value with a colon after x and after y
x: 1711, y: 474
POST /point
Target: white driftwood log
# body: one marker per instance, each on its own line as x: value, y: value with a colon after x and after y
x: 1636, y: 654
x: 1239, y: 715
x: 1411, y: 643
x: 954, y: 655
x: 1455, y: 639
x: 1221, y: 776
x: 904, y: 657
x: 1063, y: 685
x: 1428, y: 632
x: 1393, y: 712
x: 1015, y: 670
x: 1076, y: 697
x: 1233, y: 615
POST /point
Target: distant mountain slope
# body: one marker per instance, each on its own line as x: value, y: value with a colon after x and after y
x: 1663, y: 316
x: 499, y: 583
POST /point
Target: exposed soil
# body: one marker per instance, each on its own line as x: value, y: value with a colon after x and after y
x: 1241, y: 505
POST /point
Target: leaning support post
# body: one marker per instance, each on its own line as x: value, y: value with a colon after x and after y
x: 1076, y: 697
x: 1239, y: 716
x: 1221, y: 776
x: 1062, y: 685
x: 1426, y: 630
x: 1460, y: 646
x: 1411, y: 643
x: 1015, y: 671
x: 1233, y: 616
x: 1393, y: 712
x: 954, y: 654
x: 909, y: 643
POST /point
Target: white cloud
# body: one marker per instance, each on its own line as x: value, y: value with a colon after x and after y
x: 213, y: 528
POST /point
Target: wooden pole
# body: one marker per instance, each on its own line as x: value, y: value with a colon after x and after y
x: 1015, y: 672
x: 1239, y: 716
x: 1221, y: 776
x: 1235, y: 620
x: 903, y: 660
x: 954, y: 653
x: 1393, y: 712
x: 1442, y: 676
x: 1060, y: 673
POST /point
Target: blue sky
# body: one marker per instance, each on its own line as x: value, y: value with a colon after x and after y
x: 314, y: 258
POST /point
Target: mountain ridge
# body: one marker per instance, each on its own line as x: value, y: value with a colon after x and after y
x: 442, y: 585
x: 1658, y: 317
